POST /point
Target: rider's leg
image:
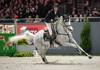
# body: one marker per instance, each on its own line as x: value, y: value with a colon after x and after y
x: 61, y: 40
x: 57, y: 42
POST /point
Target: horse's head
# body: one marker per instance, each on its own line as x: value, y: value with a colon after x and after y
x: 69, y: 26
x: 60, y: 20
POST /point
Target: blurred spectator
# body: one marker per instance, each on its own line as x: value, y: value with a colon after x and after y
x: 25, y: 8
x: 87, y: 8
x: 80, y: 17
x: 37, y: 19
x: 16, y: 16
x: 76, y: 18
x: 74, y: 11
x: 29, y: 20
x: 95, y: 12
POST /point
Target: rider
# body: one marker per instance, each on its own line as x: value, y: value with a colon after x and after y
x: 53, y: 13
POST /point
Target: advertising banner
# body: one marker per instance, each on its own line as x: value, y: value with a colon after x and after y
x: 7, y: 30
x: 31, y: 27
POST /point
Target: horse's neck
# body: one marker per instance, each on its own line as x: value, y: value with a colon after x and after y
x: 54, y: 27
x: 60, y: 28
x: 39, y: 34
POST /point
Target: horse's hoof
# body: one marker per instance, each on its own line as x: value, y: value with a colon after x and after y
x: 90, y: 57
x: 46, y: 62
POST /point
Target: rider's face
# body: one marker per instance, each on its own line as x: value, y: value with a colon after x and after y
x: 55, y: 9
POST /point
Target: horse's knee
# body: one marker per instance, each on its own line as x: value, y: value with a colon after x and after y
x: 42, y: 54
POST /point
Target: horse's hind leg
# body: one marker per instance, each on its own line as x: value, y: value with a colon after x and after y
x: 42, y: 53
x: 44, y: 60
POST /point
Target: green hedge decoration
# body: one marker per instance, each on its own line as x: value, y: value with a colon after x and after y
x: 22, y: 42
x: 85, y: 42
x: 4, y: 50
x: 23, y: 54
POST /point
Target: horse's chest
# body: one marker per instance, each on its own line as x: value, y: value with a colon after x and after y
x: 46, y: 37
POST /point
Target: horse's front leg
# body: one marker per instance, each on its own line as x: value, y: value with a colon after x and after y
x: 80, y: 49
x: 42, y: 53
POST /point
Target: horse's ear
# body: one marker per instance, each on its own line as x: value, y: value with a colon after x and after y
x: 69, y: 22
x: 60, y: 19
